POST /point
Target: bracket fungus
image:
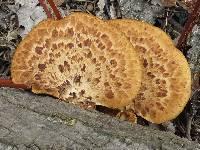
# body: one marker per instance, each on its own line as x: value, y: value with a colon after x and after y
x: 166, y: 81
x: 78, y: 59
x: 118, y: 64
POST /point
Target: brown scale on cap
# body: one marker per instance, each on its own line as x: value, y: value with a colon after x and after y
x: 166, y: 83
x: 78, y: 59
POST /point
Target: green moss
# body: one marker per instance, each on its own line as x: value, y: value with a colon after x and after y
x: 69, y: 121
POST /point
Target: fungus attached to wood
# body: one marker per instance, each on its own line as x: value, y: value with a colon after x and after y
x: 166, y: 83
x: 78, y: 59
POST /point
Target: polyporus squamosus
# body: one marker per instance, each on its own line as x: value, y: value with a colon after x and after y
x: 166, y: 83
x: 79, y: 59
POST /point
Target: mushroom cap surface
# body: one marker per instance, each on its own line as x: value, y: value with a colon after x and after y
x: 166, y: 81
x: 78, y: 59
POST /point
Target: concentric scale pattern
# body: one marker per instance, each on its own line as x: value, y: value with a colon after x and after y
x: 166, y: 81
x: 79, y: 59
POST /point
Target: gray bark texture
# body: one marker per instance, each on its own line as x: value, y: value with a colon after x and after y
x: 37, y: 122
x: 141, y: 9
x: 194, y: 53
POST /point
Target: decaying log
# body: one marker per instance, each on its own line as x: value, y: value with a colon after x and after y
x: 29, y: 121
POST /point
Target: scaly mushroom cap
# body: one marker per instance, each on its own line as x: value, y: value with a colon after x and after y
x: 166, y: 83
x: 79, y: 58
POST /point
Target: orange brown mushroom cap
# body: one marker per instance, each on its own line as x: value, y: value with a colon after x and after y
x: 78, y: 58
x: 166, y: 83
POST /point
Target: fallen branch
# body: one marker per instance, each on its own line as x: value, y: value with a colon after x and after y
x: 9, y: 83
x: 191, y: 21
x: 43, y: 4
x: 55, y: 9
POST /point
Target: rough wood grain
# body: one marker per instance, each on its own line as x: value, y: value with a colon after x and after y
x: 29, y: 121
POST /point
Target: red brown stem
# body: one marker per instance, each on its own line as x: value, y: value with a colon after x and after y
x: 43, y: 4
x: 9, y: 83
x: 191, y: 21
x: 55, y: 9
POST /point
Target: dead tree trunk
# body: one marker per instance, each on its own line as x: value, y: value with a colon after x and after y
x: 29, y: 121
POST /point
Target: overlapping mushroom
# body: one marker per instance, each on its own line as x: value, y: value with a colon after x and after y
x: 166, y: 81
x: 79, y: 59
x: 118, y: 64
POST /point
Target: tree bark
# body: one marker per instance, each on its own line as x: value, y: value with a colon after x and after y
x: 29, y: 121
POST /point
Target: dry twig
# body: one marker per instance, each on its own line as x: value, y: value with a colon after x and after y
x: 48, y: 13
x: 192, y: 19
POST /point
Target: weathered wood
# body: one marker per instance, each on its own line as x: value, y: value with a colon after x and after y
x: 29, y: 121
